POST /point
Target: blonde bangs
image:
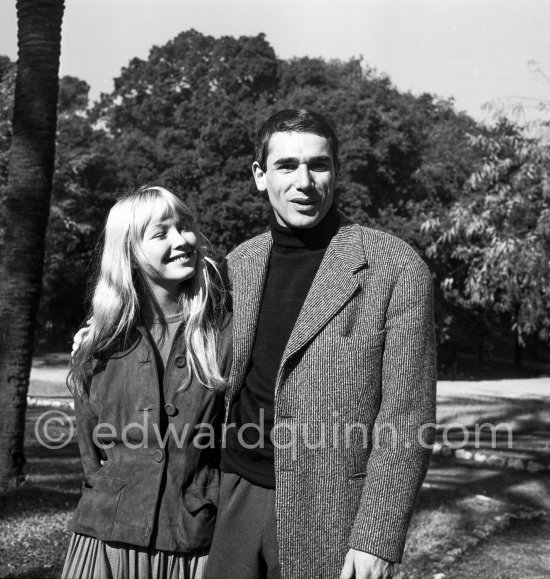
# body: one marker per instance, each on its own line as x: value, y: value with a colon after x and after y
x: 154, y: 205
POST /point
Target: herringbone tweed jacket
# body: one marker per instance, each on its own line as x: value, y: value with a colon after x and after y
x: 354, y: 395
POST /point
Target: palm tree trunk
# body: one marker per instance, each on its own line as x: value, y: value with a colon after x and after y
x: 25, y: 218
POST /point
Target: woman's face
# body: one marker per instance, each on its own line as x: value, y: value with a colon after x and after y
x: 169, y: 247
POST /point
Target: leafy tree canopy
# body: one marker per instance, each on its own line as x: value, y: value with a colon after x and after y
x: 496, y: 239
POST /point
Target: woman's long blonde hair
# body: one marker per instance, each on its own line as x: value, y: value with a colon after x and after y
x: 118, y: 292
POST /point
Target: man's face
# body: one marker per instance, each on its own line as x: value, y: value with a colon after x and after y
x: 300, y: 178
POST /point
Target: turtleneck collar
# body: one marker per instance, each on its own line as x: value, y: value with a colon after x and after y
x: 317, y: 237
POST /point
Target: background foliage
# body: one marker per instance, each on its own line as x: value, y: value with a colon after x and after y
x: 472, y: 200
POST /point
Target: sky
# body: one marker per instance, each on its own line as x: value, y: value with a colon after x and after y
x: 475, y: 51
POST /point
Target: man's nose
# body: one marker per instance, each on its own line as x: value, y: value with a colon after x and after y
x: 303, y: 178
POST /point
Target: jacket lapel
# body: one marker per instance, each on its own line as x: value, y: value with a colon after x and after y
x: 334, y: 285
x: 248, y: 280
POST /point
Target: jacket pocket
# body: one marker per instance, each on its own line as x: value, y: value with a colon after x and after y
x: 104, y: 483
x: 197, y: 498
x: 365, y: 341
x: 96, y: 511
x: 199, y: 506
x: 204, y: 491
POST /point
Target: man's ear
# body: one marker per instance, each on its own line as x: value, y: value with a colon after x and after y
x: 259, y: 176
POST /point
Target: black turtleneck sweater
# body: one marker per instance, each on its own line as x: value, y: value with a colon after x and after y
x: 294, y: 261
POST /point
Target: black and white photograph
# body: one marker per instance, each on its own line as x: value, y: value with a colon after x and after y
x: 274, y: 289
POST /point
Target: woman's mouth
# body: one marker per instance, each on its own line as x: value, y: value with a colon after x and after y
x: 180, y: 257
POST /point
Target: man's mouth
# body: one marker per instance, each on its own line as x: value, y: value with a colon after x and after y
x: 305, y: 202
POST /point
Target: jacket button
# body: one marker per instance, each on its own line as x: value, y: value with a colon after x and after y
x: 170, y: 409
x: 158, y: 455
x: 180, y: 361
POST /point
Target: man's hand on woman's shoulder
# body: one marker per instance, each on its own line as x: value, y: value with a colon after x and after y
x: 79, y: 336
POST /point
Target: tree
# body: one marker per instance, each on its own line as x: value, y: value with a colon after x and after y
x: 77, y: 211
x: 532, y: 114
x: 187, y: 116
x: 26, y: 208
x: 7, y: 85
x: 496, y: 239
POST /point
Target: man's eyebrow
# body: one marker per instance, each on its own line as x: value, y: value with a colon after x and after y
x: 295, y: 160
x: 286, y: 160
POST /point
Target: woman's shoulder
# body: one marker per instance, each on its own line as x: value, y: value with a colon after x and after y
x: 121, y: 347
x: 111, y: 356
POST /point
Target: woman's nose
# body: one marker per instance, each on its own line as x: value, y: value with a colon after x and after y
x: 185, y: 238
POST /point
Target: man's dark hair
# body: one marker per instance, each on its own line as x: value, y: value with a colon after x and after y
x: 294, y: 121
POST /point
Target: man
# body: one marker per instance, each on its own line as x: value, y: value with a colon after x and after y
x: 333, y: 385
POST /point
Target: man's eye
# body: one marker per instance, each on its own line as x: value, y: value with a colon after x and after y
x: 319, y: 167
x: 287, y: 165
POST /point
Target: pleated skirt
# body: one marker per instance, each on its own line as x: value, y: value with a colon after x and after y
x: 90, y: 558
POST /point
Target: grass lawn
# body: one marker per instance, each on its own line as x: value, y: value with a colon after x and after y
x: 33, y: 530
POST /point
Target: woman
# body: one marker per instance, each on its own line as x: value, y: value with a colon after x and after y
x: 148, y: 383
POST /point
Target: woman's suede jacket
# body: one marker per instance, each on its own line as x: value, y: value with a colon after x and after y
x: 150, y: 453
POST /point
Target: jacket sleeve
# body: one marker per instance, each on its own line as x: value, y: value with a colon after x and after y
x: 86, y: 421
x: 405, y: 425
